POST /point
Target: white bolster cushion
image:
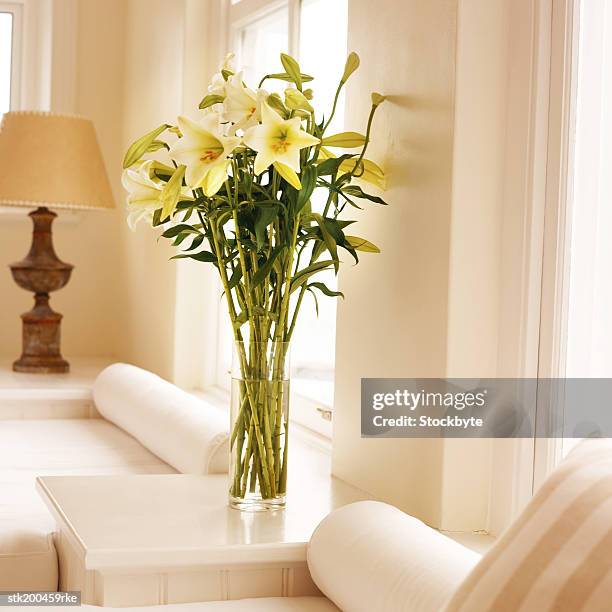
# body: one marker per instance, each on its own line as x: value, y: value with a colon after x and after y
x: 371, y: 556
x: 183, y: 431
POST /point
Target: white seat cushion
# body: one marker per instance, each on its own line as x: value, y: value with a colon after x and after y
x: 53, y: 447
x: 28, y: 560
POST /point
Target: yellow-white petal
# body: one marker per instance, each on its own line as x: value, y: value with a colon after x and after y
x: 214, y: 179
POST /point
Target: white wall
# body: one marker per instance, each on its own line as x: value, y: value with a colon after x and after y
x: 393, y: 322
x: 429, y: 305
x: 153, y: 93
x: 475, y: 280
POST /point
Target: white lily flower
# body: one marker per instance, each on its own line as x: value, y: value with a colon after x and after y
x: 242, y: 105
x: 143, y: 193
x: 205, y: 151
x: 228, y: 62
x: 278, y: 140
x: 217, y: 84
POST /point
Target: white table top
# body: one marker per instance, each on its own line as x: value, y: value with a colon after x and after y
x: 155, y: 521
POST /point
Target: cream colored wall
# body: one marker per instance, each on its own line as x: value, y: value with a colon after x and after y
x: 475, y: 242
x: 153, y: 94
x: 393, y: 322
x: 92, y: 301
x: 429, y: 305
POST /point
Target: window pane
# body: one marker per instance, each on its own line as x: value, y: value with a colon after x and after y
x: 323, y: 50
x: 6, y: 43
x: 314, y: 341
x: 589, y: 339
x: 589, y: 300
x: 260, y: 44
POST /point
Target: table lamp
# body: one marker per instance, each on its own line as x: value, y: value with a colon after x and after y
x: 48, y: 161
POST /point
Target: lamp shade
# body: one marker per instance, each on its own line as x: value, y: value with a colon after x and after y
x: 51, y: 160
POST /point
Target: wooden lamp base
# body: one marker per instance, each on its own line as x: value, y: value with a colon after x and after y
x: 41, y: 272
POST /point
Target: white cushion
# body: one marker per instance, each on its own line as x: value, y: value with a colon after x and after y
x: 28, y: 560
x: 30, y: 448
x: 556, y: 555
x: 371, y: 556
x: 180, y: 429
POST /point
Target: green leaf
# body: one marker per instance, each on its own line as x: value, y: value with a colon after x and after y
x: 283, y: 76
x: 175, y: 230
x: 309, y: 182
x: 330, y: 243
x: 139, y: 147
x: 318, y: 250
x: 203, y: 256
x: 352, y: 63
x: 196, y: 243
x: 235, y: 277
x: 361, y: 244
x: 288, y: 174
x: 303, y: 275
x: 264, y: 215
x: 264, y: 270
x: 335, y: 227
x: 157, y: 220
x: 210, y: 100
x: 358, y: 192
x: 314, y: 296
x: 347, y: 140
x: 292, y: 68
x: 323, y: 288
x: 367, y: 171
x: 171, y: 192
x: 331, y: 166
x: 180, y: 239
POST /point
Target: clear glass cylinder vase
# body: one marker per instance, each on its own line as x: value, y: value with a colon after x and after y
x: 259, y: 425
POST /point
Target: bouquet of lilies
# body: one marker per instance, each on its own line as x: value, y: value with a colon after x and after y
x: 234, y: 189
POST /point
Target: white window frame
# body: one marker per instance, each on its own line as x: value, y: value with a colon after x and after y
x: 10, y: 213
x: 557, y: 228
x: 538, y: 126
x: 246, y: 12
x: 16, y: 10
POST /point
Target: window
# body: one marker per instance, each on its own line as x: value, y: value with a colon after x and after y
x: 577, y: 276
x: 259, y: 32
x: 10, y: 37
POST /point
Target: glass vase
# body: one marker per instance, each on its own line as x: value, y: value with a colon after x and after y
x: 259, y: 425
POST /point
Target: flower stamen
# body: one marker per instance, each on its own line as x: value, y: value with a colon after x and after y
x: 210, y: 156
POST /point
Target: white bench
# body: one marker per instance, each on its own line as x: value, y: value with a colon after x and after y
x: 143, y: 433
